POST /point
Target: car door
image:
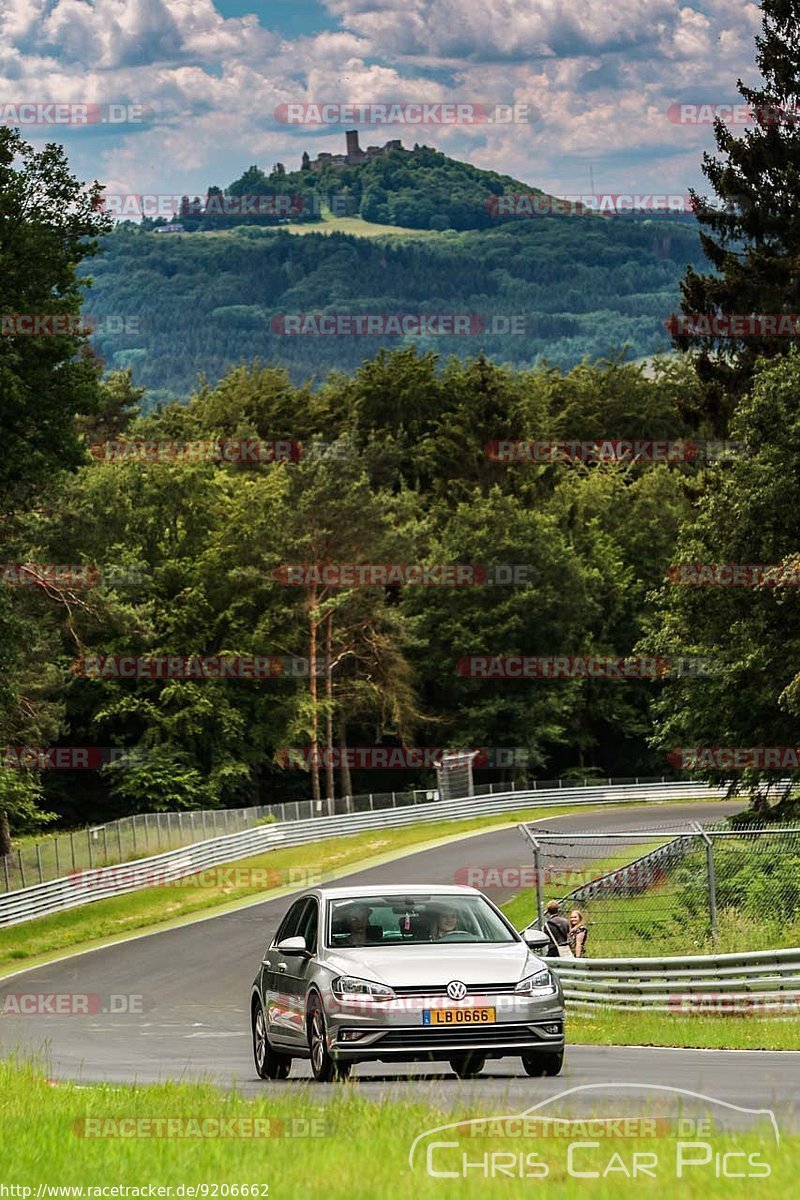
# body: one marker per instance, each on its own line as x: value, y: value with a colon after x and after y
x: 298, y: 972
x: 277, y: 998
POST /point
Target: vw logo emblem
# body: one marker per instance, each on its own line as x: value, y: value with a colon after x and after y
x: 456, y: 990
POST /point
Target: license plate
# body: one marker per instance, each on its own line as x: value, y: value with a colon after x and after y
x: 458, y: 1016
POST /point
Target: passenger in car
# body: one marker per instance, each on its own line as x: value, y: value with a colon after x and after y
x: 446, y: 922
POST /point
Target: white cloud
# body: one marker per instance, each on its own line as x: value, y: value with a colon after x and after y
x: 599, y: 76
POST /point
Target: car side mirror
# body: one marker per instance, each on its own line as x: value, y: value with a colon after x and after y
x: 535, y: 939
x: 292, y: 947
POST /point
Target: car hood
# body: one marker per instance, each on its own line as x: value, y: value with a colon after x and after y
x: 437, y: 965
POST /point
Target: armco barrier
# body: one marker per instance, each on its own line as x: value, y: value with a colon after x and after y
x: 760, y: 982
x: 637, y: 876
x: 58, y: 895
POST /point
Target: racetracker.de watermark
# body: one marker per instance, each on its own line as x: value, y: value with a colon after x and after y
x: 68, y: 758
x: 165, y: 205
x: 613, y: 450
x: 71, y: 1004
x: 735, y: 758
x: 579, y: 204
x: 201, y: 1128
x: 505, y: 878
x: 66, y: 575
x: 746, y: 1005
x: 739, y: 575
x: 31, y: 112
x: 348, y: 575
x: 13, y: 325
x: 449, y: 112
x: 736, y: 113
x: 397, y: 758
x: 565, y: 666
x: 733, y: 325
x: 183, y: 874
x: 378, y: 325
x: 195, y: 667
x: 240, y: 450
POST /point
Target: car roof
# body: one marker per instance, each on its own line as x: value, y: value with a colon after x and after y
x: 396, y: 889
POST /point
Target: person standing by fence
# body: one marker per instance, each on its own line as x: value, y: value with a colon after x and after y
x: 557, y: 929
x: 577, y: 934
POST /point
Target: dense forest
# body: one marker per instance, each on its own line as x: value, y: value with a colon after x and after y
x: 189, y: 554
x: 556, y: 288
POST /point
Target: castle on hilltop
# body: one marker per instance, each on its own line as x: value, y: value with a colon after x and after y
x: 354, y: 156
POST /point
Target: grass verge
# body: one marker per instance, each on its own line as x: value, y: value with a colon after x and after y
x: 607, y: 1027
x: 360, y: 1148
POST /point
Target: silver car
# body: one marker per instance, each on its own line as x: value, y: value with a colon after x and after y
x: 403, y: 974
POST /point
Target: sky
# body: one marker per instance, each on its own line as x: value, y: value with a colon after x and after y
x: 594, y: 82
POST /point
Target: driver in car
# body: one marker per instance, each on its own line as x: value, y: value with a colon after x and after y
x: 356, y: 924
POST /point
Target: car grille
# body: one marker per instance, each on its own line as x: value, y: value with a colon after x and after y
x: 457, y: 1035
x: 427, y: 989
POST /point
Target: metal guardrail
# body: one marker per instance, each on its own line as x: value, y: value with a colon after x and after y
x: 58, y: 895
x: 35, y: 860
x: 639, y: 875
x: 762, y: 982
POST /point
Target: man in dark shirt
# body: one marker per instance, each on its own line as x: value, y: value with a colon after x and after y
x: 556, y: 928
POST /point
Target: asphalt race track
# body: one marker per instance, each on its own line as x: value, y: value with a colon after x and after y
x: 195, y: 986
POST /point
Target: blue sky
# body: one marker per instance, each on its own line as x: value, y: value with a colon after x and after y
x: 597, y: 77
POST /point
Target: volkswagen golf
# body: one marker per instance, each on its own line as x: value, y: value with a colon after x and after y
x: 403, y: 974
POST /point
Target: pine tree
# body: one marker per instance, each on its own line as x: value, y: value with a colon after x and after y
x: 753, y: 238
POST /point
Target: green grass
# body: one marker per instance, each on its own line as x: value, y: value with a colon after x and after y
x: 607, y: 1027
x: 329, y: 223
x: 362, y: 1153
x: 298, y: 865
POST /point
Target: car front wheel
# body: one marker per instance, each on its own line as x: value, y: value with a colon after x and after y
x: 543, y: 1064
x: 269, y: 1064
x: 325, y: 1068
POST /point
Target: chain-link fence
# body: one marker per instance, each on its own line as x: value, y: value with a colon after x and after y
x: 650, y: 892
x: 37, y: 860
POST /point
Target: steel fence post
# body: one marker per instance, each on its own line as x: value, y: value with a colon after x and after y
x: 5, y: 873
x: 537, y: 871
x: 712, y: 885
x: 21, y: 868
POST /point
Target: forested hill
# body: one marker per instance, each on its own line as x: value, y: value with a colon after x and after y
x: 416, y: 189
x: 564, y: 287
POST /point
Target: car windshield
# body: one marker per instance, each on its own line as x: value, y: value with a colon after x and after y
x: 414, y: 920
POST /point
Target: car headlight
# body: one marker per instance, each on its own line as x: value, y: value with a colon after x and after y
x: 540, y: 984
x: 348, y: 987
